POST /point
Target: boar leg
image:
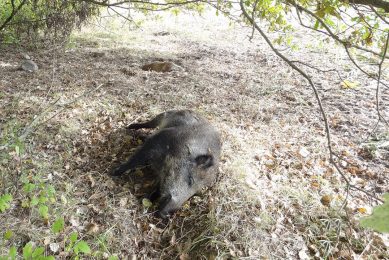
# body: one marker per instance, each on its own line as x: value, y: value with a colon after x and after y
x: 153, y: 123
x: 153, y: 151
x: 141, y: 157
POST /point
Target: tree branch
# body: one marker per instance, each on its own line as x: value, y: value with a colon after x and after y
x: 329, y: 32
x: 379, y: 15
x: 106, y: 3
x: 375, y: 3
x: 311, y: 83
x: 380, y: 117
x: 13, y: 13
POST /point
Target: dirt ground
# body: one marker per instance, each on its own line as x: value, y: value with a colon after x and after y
x: 278, y: 197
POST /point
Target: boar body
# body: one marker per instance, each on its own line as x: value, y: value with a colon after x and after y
x: 184, y: 153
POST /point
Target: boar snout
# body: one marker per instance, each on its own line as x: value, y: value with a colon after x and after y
x: 169, y: 204
x: 165, y: 206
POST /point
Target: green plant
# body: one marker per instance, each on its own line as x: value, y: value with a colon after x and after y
x: 12, y: 251
x: 5, y: 202
x: 39, y: 194
x: 11, y: 254
x: 31, y: 253
x: 379, y: 220
x: 77, y: 247
x: 58, y: 225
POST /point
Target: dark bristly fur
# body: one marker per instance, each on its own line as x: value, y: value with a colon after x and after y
x: 184, y: 153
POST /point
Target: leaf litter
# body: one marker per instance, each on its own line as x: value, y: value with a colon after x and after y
x: 277, y: 194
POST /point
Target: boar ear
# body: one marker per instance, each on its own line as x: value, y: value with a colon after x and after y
x: 204, y: 161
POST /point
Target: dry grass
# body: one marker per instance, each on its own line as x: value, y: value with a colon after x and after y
x: 275, y: 169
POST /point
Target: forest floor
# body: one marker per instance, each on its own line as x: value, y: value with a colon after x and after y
x: 278, y: 196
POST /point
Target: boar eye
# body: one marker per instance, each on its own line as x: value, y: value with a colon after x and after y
x: 190, y: 180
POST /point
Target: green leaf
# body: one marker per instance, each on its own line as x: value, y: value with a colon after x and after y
x: 58, y: 225
x: 4, y: 202
x: 113, y: 257
x: 17, y: 150
x: 8, y: 234
x: 42, y: 199
x: 347, y: 84
x: 82, y: 247
x: 146, y: 203
x: 73, y: 237
x: 12, y: 252
x: 44, y: 211
x: 317, y: 24
x: 34, y: 201
x: 50, y: 191
x: 37, y: 252
x: 379, y: 220
x: 27, y: 251
x: 48, y: 258
x: 29, y: 187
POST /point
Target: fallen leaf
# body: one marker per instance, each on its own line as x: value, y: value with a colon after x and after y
x: 326, y: 200
x: 91, y: 180
x: 74, y: 221
x: 54, y: 247
x: 304, y: 152
x: 346, y: 84
x: 362, y: 210
x: 184, y: 256
x: 92, y: 228
x: 303, y: 255
x: 123, y: 202
x: 173, y: 239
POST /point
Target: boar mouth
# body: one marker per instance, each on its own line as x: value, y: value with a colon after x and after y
x: 164, y: 203
x: 163, y: 209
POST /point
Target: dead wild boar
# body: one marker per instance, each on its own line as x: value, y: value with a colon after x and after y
x: 184, y: 153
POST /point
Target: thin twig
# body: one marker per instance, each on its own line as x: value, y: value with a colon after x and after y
x: 370, y: 75
x: 34, y: 124
x: 253, y: 17
x: 380, y: 117
x: 377, y: 93
x: 29, y: 128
